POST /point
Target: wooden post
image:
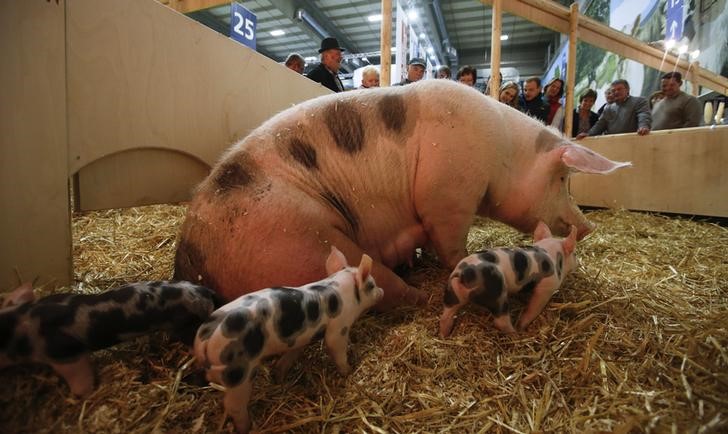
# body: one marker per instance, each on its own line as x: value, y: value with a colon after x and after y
x: 495, y: 50
x: 571, y: 69
x: 385, y: 42
x: 695, y: 78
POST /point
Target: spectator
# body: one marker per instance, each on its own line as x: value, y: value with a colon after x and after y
x: 552, y: 96
x: 654, y: 97
x: 369, y: 77
x: 509, y: 94
x: 415, y: 71
x: 327, y: 72
x: 444, y: 72
x: 584, y: 117
x: 531, y: 102
x: 295, y: 62
x: 677, y: 109
x: 467, y: 75
x: 626, y: 114
x: 608, y: 97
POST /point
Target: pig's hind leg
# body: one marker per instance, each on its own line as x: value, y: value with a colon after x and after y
x: 454, y: 298
x: 79, y: 375
x: 285, y: 362
x: 236, y: 404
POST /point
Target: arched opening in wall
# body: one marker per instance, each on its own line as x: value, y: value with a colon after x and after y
x: 137, y: 177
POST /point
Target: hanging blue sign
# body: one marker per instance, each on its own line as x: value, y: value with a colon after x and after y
x: 242, y: 25
x: 674, y: 20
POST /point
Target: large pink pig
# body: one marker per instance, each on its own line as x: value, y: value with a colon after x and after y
x: 379, y: 172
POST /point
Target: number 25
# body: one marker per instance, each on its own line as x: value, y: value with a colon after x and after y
x: 248, y: 33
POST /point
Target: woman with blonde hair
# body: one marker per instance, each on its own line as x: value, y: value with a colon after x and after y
x: 509, y: 93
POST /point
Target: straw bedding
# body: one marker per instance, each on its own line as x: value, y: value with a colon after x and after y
x: 635, y: 341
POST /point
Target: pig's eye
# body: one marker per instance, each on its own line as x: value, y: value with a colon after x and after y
x: 563, y: 179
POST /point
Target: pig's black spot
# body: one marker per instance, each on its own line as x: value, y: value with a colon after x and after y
x: 334, y: 304
x: 119, y: 295
x: 52, y: 316
x: 156, y: 283
x: 104, y: 327
x: 468, y: 276
x: 344, y: 331
x: 488, y: 256
x: 450, y: 298
x: 318, y: 288
x: 352, y: 221
x: 55, y: 298
x: 303, y: 153
x: 312, y: 310
x: 64, y: 347
x: 292, y: 316
x: 559, y: 264
x: 393, y: 112
x: 489, y: 295
x: 234, y: 324
x: 8, y: 321
x: 232, y: 175
x: 145, y: 299
x: 254, y: 340
x: 345, y: 125
x: 232, y: 352
x: 232, y: 376
x: 205, y: 331
x: 20, y: 347
x: 546, y: 266
x: 171, y: 293
x: 520, y: 264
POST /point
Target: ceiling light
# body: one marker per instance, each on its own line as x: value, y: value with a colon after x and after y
x: 504, y: 37
x: 374, y: 18
x: 670, y: 43
x: 412, y: 15
x: 422, y: 35
x: 682, y: 49
x: 695, y: 54
x: 277, y: 32
x: 311, y: 59
x: 431, y: 50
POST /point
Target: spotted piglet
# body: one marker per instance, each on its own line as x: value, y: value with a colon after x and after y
x: 487, y: 278
x: 62, y: 329
x: 283, y: 320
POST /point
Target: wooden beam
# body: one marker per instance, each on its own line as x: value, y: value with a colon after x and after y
x: 385, y: 41
x: 556, y: 17
x: 495, y: 49
x: 571, y: 69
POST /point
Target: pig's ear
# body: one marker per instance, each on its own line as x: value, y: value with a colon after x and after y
x: 365, y: 268
x: 541, y: 232
x: 570, y: 242
x: 336, y: 261
x: 582, y: 159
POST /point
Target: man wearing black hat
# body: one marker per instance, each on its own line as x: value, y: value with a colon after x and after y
x: 415, y: 71
x: 326, y: 72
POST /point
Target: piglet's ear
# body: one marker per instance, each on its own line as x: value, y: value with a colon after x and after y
x: 365, y: 268
x: 585, y: 160
x: 335, y: 262
x: 541, y: 232
x: 20, y: 295
x: 570, y: 242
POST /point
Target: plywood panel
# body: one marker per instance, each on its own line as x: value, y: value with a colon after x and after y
x: 141, y: 75
x: 677, y: 171
x: 35, y: 232
x: 138, y: 177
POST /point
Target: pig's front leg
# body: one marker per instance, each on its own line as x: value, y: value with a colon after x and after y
x: 285, y: 362
x: 541, y: 295
x: 79, y: 375
x: 236, y: 404
x: 448, y: 232
x: 503, y: 323
x: 337, y: 341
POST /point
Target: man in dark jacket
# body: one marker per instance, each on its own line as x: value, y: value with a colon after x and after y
x: 415, y: 71
x: 327, y: 72
x: 531, y: 102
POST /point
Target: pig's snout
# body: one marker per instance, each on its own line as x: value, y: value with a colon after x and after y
x: 585, y: 230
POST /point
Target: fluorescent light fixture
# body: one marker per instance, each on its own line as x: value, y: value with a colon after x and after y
x: 311, y: 59
x: 412, y: 15
x: 504, y: 37
x: 670, y: 43
x: 694, y: 55
x: 683, y: 49
x: 374, y: 18
x: 365, y: 59
x: 277, y: 32
x: 422, y: 35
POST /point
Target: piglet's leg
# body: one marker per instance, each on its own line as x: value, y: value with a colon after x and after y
x: 337, y: 340
x: 79, y: 375
x: 541, y: 295
x: 455, y: 298
x: 285, y: 362
x: 503, y: 323
x: 236, y: 405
